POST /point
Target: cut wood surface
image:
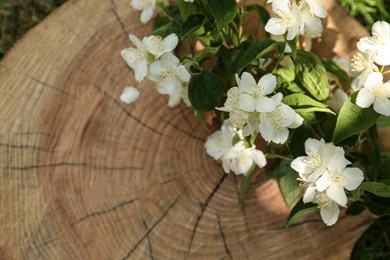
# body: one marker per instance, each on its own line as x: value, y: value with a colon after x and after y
x: 84, y: 176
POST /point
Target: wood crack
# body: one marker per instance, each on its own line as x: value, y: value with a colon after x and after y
x: 103, y: 212
x: 50, y: 86
x: 223, y: 237
x: 130, y: 252
x: 34, y: 148
x: 117, y: 103
x: 115, y: 13
x: 148, y: 238
x: 182, y: 131
x: 69, y: 164
x: 202, y: 210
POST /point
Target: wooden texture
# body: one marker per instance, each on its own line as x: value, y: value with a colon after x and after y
x: 84, y: 176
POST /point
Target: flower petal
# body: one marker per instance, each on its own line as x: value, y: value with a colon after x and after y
x: 354, y: 177
x: 382, y: 106
x: 323, y: 182
x: 337, y: 194
x: 309, y: 194
x: 299, y: 165
x: 275, y: 26
x: 129, y: 95
x: 259, y: 158
x: 266, y: 128
x: 147, y: 14
x: 365, y: 98
x: 265, y: 104
x: 268, y: 82
x: 170, y: 42
x: 246, y: 102
x: 247, y: 82
x: 330, y: 214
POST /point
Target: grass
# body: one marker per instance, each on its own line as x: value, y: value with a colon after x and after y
x: 18, y: 16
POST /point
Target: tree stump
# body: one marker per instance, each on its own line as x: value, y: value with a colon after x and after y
x: 84, y: 176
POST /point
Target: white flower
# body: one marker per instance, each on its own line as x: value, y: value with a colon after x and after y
x: 290, y: 19
x: 329, y: 210
x: 221, y: 141
x: 129, y: 95
x: 240, y: 159
x: 170, y: 77
x: 337, y: 99
x: 319, y: 153
x: 363, y: 64
x: 253, y: 96
x: 317, y: 7
x: 157, y: 45
x: 311, y: 25
x: 189, y: 1
x: 137, y: 58
x: 147, y: 7
x: 378, y: 44
x: 338, y: 177
x: 274, y: 124
x: 375, y: 92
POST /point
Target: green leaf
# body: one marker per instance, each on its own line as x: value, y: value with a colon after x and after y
x: 193, y: 23
x: 296, y: 144
x: 299, y: 210
x: 206, y: 53
x: 356, y: 208
x: 335, y: 69
x: 254, y: 52
x: 302, y: 103
x: 375, y: 158
x: 164, y: 27
x: 379, y: 205
x: 385, y: 166
x: 187, y: 9
x: 312, y: 74
x: 378, y: 188
x: 383, y: 121
x: 245, y: 183
x: 353, y: 120
x: 223, y: 12
x: 200, y: 116
x: 293, y: 45
x: 287, y: 73
x: 288, y: 184
x: 206, y: 91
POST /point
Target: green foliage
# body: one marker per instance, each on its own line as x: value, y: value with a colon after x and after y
x: 380, y: 189
x: 223, y: 14
x: 206, y: 91
x: 299, y: 210
x: 254, y: 52
x: 335, y: 69
x: 368, y: 11
x: 312, y: 75
x: 193, y: 23
x: 18, y: 16
x: 302, y: 104
x: 383, y: 121
x: 374, y: 242
x: 353, y: 120
x: 287, y: 179
x: 245, y: 183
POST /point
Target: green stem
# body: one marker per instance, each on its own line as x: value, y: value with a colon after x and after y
x: 274, y: 155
